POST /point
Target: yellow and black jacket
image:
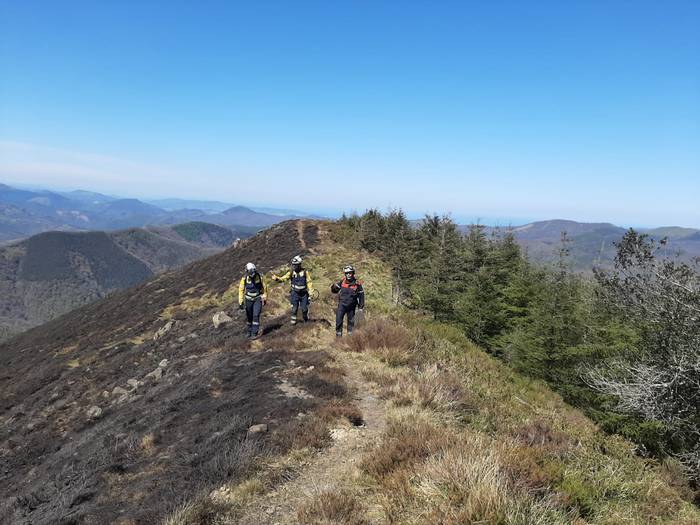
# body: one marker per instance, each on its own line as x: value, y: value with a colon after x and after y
x: 251, y: 288
x: 300, y: 281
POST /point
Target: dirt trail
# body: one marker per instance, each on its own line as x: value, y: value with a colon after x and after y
x: 334, y: 467
x: 300, y: 232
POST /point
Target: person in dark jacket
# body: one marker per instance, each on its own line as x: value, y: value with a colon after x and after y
x: 252, y: 294
x: 350, y: 296
x: 301, y: 288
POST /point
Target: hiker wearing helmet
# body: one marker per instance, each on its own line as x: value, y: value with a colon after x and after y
x: 301, y: 288
x: 350, y: 296
x: 252, y: 294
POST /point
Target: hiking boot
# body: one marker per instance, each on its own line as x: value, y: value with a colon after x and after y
x: 339, y: 334
x: 293, y: 321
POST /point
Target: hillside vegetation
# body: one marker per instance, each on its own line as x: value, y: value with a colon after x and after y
x: 136, y: 409
x: 52, y: 273
x: 622, y: 345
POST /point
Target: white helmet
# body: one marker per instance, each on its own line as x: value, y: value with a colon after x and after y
x: 250, y: 268
x: 296, y: 259
x: 349, y: 269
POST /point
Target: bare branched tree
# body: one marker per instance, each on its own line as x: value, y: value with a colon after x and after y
x: 660, y: 379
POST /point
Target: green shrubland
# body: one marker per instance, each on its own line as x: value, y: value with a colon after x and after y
x: 591, y: 338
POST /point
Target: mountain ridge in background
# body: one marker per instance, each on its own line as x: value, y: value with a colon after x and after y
x: 592, y: 244
x: 27, y: 212
x: 51, y: 273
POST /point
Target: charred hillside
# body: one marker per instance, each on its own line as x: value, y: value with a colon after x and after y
x: 102, y: 421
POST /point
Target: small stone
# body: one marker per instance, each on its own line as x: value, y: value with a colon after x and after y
x: 156, y: 374
x: 123, y: 399
x: 94, y: 412
x: 164, y: 330
x: 193, y: 336
x: 220, y: 319
x: 258, y: 429
x: 105, y: 393
x: 133, y: 383
x: 338, y: 434
x: 119, y: 391
x: 163, y: 363
x: 310, y: 368
x: 181, y: 339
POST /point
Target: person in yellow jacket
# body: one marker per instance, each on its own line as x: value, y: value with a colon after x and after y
x: 301, y: 288
x: 252, y: 295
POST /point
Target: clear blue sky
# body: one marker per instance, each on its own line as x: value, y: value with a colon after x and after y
x: 587, y: 110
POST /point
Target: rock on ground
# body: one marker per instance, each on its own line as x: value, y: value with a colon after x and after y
x: 220, y: 319
x: 164, y: 330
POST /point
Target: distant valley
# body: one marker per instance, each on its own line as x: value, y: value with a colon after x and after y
x: 52, y: 273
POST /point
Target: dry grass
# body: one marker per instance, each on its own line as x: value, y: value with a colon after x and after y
x: 406, y: 441
x: 393, y: 343
x: 333, y: 411
x: 310, y: 432
x: 432, y: 474
x: 434, y: 388
x: 200, y: 511
x: 339, y: 507
x: 539, y: 432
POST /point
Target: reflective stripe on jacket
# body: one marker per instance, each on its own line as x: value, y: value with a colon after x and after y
x: 299, y: 281
x: 251, y: 287
x: 350, y: 293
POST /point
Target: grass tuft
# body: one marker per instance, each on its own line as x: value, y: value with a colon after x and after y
x: 338, y: 507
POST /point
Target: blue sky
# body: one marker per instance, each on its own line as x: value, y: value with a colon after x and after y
x: 504, y: 111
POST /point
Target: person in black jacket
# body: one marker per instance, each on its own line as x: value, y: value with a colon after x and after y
x: 350, y: 296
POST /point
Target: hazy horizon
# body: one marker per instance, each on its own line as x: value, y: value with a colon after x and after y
x: 497, y: 221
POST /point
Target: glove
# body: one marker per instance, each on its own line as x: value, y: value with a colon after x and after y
x: 241, y: 306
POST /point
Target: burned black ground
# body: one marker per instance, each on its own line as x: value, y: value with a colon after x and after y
x: 170, y: 439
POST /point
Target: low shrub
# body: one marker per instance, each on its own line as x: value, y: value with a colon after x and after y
x: 405, y: 442
x: 380, y: 335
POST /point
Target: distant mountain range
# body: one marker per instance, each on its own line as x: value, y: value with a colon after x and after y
x: 52, y: 273
x: 593, y: 244
x: 24, y: 213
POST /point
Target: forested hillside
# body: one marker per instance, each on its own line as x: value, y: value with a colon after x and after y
x: 621, y: 345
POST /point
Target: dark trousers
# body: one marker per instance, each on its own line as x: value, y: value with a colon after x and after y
x: 298, y: 299
x: 344, y: 310
x: 252, y: 312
